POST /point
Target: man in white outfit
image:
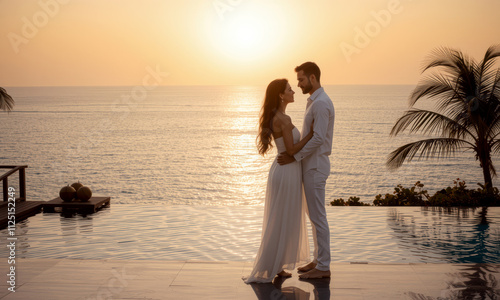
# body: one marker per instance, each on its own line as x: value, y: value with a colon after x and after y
x: 315, y: 165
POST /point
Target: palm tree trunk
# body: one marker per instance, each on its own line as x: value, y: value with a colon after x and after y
x: 488, y: 182
x: 484, y: 155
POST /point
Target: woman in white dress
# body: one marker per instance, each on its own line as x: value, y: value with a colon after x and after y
x: 284, y: 240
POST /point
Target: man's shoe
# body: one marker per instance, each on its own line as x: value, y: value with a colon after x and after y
x: 310, y: 266
x: 315, y: 273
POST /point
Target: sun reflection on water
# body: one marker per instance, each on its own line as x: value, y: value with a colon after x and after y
x: 244, y: 171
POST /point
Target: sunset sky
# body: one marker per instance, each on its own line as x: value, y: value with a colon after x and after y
x: 233, y: 42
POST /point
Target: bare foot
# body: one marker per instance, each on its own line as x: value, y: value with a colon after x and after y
x: 284, y: 274
x: 315, y: 273
x: 307, y: 267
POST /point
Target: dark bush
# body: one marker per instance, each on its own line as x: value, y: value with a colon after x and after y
x: 352, y: 201
x: 457, y: 195
x: 414, y: 196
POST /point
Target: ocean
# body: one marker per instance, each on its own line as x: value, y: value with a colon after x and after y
x: 195, y: 145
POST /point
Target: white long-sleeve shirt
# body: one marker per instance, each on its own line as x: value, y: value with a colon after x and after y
x: 314, y: 155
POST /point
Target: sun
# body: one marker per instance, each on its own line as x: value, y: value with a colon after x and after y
x: 248, y: 33
x: 245, y: 33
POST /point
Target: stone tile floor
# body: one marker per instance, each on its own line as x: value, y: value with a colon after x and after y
x: 146, y: 279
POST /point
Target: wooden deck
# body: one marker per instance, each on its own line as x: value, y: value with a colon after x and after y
x: 24, y: 209
x: 91, y: 206
x: 22, y: 181
x: 50, y: 278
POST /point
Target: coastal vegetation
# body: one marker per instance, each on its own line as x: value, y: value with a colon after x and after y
x: 458, y: 195
x: 352, y: 201
x: 467, y: 116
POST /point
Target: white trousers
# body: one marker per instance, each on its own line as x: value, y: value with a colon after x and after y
x: 314, y: 189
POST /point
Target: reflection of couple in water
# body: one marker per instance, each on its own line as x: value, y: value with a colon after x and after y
x: 296, y: 183
x: 274, y: 291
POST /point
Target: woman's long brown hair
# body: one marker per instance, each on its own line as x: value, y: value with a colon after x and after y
x: 267, y: 113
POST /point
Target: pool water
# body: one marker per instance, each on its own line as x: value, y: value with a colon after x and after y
x: 232, y: 233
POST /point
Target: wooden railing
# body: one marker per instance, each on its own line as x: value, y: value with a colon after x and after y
x: 22, y: 181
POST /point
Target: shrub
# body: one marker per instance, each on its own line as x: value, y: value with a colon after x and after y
x: 459, y: 195
x: 402, y: 196
x: 352, y: 201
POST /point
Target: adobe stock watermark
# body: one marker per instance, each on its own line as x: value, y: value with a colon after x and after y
x: 223, y: 6
x: 31, y: 26
x: 124, y: 105
x: 113, y: 286
x: 365, y: 34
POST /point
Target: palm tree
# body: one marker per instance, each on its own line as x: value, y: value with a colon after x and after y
x: 6, y: 101
x: 467, y: 95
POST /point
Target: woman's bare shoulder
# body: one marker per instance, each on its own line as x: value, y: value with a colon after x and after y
x: 282, y: 121
x: 282, y: 118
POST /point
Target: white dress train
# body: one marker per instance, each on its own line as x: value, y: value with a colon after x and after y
x: 284, y: 240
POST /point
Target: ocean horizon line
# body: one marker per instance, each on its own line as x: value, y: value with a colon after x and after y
x: 196, y: 85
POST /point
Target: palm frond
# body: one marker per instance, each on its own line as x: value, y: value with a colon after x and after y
x: 435, y: 86
x: 429, y: 122
x: 494, y: 94
x: 429, y: 148
x: 455, y: 81
x: 440, y: 57
x: 489, y: 57
x: 466, y: 75
x: 488, y: 82
x: 489, y: 79
x: 494, y: 128
x: 6, y: 101
x: 495, y: 146
x: 450, y: 100
x: 451, y: 61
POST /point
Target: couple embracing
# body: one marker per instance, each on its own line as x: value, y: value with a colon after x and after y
x: 297, y: 179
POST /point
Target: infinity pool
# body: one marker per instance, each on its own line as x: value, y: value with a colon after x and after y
x: 178, y: 232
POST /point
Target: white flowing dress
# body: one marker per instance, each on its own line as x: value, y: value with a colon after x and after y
x: 284, y: 240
